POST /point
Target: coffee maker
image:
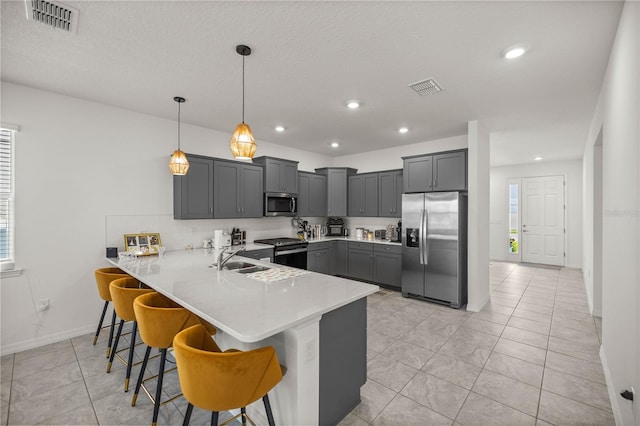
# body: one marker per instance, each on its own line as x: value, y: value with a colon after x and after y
x: 335, y: 227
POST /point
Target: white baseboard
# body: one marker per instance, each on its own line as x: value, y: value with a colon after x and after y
x: 613, y: 394
x: 45, y: 340
x: 477, y: 307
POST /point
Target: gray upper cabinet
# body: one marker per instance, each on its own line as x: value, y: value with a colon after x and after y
x: 337, y: 190
x: 446, y: 171
x: 279, y: 175
x: 237, y: 190
x: 390, y: 187
x: 312, y: 194
x: 363, y: 195
x: 193, y: 193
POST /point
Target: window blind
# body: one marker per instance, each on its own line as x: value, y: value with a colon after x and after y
x: 6, y: 195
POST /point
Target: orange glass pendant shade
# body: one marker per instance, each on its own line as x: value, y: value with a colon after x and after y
x: 243, y: 145
x: 178, y: 164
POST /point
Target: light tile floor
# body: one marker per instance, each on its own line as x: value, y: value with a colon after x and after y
x: 529, y: 358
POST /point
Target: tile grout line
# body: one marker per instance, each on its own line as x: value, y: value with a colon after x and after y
x: 84, y: 382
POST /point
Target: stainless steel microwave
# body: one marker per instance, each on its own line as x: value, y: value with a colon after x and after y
x: 280, y: 204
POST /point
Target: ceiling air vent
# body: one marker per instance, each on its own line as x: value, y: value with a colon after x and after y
x: 426, y: 87
x: 53, y: 14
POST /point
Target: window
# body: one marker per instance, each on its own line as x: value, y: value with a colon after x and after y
x: 513, y: 218
x: 7, y: 194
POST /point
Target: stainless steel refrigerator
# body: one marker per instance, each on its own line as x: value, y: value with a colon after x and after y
x: 434, y: 247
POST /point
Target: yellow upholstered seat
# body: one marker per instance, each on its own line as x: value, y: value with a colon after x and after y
x: 123, y: 292
x: 104, y: 276
x: 159, y: 320
x: 220, y: 381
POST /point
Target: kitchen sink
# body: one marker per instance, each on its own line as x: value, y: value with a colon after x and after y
x: 252, y: 269
x: 232, y: 266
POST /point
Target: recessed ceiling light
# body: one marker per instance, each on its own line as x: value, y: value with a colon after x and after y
x: 403, y: 130
x: 538, y: 158
x: 279, y: 128
x: 514, y: 52
x: 334, y: 144
x: 353, y: 104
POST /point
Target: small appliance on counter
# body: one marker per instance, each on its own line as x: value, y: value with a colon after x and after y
x: 238, y: 237
x: 380, y: 234
x: 335, y: 227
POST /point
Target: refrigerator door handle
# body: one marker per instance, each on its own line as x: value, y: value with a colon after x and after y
x: 424, y: 234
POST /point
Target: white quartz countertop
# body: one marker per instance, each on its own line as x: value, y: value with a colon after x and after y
x: 248, y: 309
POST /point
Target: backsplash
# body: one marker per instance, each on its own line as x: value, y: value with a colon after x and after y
x: 178, y: 234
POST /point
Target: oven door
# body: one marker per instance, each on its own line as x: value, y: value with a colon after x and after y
x: 294, y: 257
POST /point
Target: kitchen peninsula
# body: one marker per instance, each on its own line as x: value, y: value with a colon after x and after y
x: 316, y: 322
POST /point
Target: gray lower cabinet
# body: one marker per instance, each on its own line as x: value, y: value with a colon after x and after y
x: 390, y: 187
x: 379, y: 263
x: 343, y: 360
x: 193, y: 193
x: 341, y: 263
x: 337, y: 189
x: 363, y: 195
x: 312, y: 194
x: 319, y: 257
x: 259, y: 254
x: 360, y: 261
x: 387, y: 264
x: 445, y: 171
x: 237, y: 190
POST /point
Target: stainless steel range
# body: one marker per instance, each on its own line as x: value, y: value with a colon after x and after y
x: 288, y: 251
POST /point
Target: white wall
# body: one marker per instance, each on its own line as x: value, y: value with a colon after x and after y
x: 499, y: 216
x: 617, y: 115
x: 85, y: 174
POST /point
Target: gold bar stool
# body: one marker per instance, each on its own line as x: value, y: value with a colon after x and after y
x: 159, y: 320
x: 104, y: 276
x: 123, y: 292
x: 221, y: 381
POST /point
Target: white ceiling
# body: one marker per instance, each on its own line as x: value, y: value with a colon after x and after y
x: 309, y: 58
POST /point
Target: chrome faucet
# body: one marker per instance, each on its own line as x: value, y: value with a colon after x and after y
x: 222, y: 260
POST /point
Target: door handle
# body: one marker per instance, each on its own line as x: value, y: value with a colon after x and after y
x: 425, y: 234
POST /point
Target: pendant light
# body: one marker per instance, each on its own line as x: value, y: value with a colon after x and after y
x: 243, y: 145
x: 178, y: 164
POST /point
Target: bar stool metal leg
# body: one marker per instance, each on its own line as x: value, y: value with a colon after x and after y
x: 132, y: 347
x: 214, y: 418
x: 141, y: 376
x: 187, y: 415
x: 267, y: 408
x: 113, y: 325
x: 156, y: 406
x: 104, y: 311
x: 115, y: 346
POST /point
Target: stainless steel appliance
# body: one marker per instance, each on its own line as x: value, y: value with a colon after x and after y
x: 288, y: 251
x: 434, y: 247
x: 335, y: 227
x: 280, y: 204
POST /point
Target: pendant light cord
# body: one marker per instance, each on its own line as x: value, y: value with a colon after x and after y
x: 179, y: 126
x: 243, y: 89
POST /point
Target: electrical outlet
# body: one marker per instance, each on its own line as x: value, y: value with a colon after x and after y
x: 43, y: 305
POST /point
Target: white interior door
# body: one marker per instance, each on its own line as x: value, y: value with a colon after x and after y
x: 543, y: 227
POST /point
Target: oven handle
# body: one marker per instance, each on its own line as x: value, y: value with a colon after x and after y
x: 293, y: 251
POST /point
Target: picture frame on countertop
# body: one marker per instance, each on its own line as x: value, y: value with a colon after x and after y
x: 142, y: 244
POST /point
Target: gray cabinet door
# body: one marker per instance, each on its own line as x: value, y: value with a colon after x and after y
x: 226, y: 179
x: 237, y: 190
x: 356, y: 195
x: 390, y: 194
x: 417, y: 174
x: 311, y: 261
x: 363, y: 195
x: 318, y: 194
x: 337, y: 192
x: 387, y: 268
x: 450, y: 171
x: 251, y: 195
x: 342, y: 261
x: 361, y: 262
x: 304, y: 194
x: 312, y: 194
x: 323, y: 261
x: 289, y: 177
x: 279, y: 175
x: 193, y: 193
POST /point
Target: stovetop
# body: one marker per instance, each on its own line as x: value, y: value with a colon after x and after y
x: 285, y: 241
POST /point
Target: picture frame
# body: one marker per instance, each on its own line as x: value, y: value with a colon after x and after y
x: 142, y: 244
